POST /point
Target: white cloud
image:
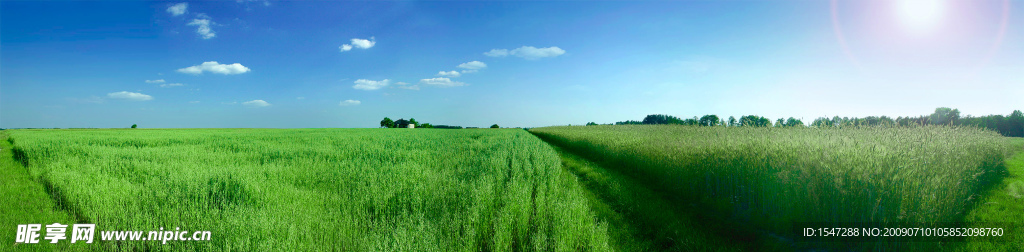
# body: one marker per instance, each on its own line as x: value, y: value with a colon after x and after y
x: 497, y: 53
x: 204, y: 28
x: 358, y: 43
x: 469, y: 71
x: 193, y: 102
x: 349, y: 103
x: 404, y: 85
x: 214, y: 67
x: 452, y: 74
x: 473, y: 65
x: 256, y: 103
x: 131, y: 96
x: 442, y: 82
x: 178, y: 9
x: 155, y: 81
x: 167, y: 85
x: 364, y: 84
x: 532, y: 53
x: 363, y: 44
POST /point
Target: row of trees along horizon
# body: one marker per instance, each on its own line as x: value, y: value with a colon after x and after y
x: 1011, y: 125
x: 402, y: 123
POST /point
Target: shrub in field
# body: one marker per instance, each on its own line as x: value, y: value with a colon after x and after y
x: 318, y: 189
x: 773, y: 178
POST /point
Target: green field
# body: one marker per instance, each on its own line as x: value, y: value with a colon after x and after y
x: 758, y: 184
x: 584, y: 188
x: 309, y: 189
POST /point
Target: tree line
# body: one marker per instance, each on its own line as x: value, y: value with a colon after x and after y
x: 1011, y: 125
x: 714, y: 120
x: 402, y: 123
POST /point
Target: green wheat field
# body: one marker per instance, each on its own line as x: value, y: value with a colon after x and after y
x: 575, y: 188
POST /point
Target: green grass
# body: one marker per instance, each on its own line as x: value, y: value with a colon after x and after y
x: 639, y: 219
x: 24, y: 201
x: 1001, y: 204
x: 312, y: 189
x: 768, y: 180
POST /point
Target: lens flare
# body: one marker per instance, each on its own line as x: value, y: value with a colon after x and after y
x: 920, y: 16
x: 916, y: 18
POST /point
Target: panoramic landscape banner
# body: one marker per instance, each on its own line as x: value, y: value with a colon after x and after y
x: 690, y: 125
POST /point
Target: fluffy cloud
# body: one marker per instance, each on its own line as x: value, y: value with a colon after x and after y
x: 349, y: 103
x: 131, y: 96
x: 358, y: 43
x: 214, y: 67
x: 204, y: 30
x: 256, y: 103
x: 363, y: 44
x: 469, y: 71
x: 497, y: 53
x: 364, y: 84
x: 167, y: 85
x: 442, y: 82
x: 532, y: 53
x: 473, y: 65
x: 155, y: 81
x: 178, y: 9
x: 452, y: 74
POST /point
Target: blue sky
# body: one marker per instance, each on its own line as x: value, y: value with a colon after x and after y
x: 282, y: 64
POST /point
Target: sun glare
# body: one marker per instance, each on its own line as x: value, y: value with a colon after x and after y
x: 920, y: 16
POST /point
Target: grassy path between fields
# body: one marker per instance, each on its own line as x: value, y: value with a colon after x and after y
x: 641, y: 219
x: 1003, y: 203
x: 638, y: 218
x: 23, y: 200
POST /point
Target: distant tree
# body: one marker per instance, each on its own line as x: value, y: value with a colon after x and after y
x: 662, y: 119
x: 821, y: 122
x: 414, y: 122
x: 1017, y: 124
x: 691, y: 121
x: 387, y: 123
x: 732, y: 121
x: 401, y: 123
x: 708, y: 120
x: 494, y: 126
x: 944, y: 115
x: 755, y: 121
x: 426, y: 125
x: 886, y: 121
x: 793, y: 122
x: 780, y: 122
x: 135, y: 126
x: 591, y: 124
x: 628, y: 122
x: 446, y: 127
